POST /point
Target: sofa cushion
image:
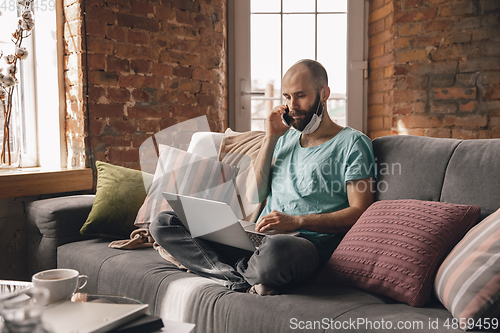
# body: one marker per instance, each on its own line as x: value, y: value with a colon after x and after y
x: 308, y: 308
x: 468, y: 281
x: 398, y: 318
x: 141, y: 274
x: 175, y: 295
x: 120, y: 193
x: 396, y: 247
x: 472, y: 176
x: 411, y: 167
x: 179, y: 296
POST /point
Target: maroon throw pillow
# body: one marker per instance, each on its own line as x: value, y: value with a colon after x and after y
x: 396, y: 247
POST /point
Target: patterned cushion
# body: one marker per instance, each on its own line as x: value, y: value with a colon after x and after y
x: 396, y: 247
x: 241, y: 149
x: 185, y: 173
x: 468, y: 281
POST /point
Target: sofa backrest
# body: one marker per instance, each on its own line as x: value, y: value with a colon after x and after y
x: 435, y: 169
x: 422, y: 168
x: 473, y: 175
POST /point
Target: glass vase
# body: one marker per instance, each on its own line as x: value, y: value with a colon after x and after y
x: 11, y: 155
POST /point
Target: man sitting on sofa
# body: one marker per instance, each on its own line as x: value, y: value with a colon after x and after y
x: 317, y: 179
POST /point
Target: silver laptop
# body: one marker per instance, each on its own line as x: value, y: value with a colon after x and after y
x: 215, y: 221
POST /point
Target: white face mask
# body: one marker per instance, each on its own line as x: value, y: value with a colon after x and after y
x: 314, y: 123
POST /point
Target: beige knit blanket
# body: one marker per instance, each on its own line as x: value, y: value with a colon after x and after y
x: 141, y: 238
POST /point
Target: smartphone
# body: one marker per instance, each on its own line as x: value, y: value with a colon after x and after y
x: 285, y: 118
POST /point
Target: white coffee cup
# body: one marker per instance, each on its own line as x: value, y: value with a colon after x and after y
x: 61, y: 282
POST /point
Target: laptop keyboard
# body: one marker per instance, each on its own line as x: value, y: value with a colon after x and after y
x: 255, y: 238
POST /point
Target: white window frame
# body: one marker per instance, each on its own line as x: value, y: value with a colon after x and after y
x: 239, y: 71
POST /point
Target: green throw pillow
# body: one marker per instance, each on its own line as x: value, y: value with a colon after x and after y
x: 120, y: 193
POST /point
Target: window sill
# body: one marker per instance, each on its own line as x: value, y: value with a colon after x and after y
x: 35, y: 181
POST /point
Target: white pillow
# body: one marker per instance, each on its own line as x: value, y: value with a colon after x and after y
x: 205, y: 144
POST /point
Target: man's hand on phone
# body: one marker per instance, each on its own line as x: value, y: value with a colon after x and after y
x: 274, y: 123
x: 285, y: 117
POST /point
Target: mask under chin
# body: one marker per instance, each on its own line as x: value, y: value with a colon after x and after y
x: 314, y: 123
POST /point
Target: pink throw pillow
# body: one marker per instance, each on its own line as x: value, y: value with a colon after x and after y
x: 396, y: 247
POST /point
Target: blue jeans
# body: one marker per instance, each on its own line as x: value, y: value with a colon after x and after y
x: 280, y: 261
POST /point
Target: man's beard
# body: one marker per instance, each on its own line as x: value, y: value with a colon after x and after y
x: 301, y: 123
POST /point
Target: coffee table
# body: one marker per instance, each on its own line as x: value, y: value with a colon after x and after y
x: 8, y: 286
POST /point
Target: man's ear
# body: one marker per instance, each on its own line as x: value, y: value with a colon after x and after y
x: 325, y: 93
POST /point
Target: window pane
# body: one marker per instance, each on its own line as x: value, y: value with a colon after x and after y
x: 266, y: 64
x: 332, y: 6
x: 291, y: 6
x: 8, y: 24
x: 332, y: 54
x: 25, y: 91
x: 265, y: 6
x: 266, y: 50
x: 332, y: 49
x: 298, y: 38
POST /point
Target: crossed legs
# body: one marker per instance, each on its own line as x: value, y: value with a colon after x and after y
x: 281, y: 261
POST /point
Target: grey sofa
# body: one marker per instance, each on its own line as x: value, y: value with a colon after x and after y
x: 410, y: 167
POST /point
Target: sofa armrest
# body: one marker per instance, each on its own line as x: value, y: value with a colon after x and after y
x: 51, y: 223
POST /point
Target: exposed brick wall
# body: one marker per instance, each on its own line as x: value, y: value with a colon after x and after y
x: 151, y: 64
x: 381, y: 65
x: 435, y: 68
x: 76, y: 125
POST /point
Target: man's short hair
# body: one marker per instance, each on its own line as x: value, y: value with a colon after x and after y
x: 318, y: 73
